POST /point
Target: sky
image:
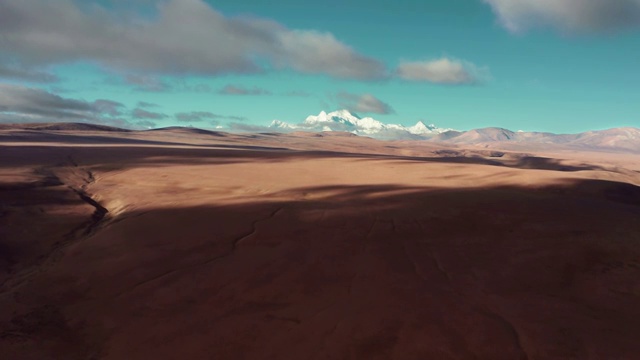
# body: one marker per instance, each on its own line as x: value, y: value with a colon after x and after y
x: 561, y: 66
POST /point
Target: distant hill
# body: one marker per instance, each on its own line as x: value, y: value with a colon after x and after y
x: 617, y: 139
x: 627, y: 139
x: 188, y: 130
x: 64, y: 126
x: 482, y: 136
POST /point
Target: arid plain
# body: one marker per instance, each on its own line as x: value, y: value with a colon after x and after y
x: 191, y: 244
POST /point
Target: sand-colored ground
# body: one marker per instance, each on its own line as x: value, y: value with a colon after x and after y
x: 180, y: 244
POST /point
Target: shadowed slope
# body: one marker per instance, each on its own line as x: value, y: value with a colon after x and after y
x: 499, y: 273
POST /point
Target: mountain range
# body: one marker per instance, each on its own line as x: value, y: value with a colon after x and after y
x: 344, y: 120
x: 627, y: 138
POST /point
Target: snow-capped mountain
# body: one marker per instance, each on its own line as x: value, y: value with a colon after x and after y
x: 344, y: 120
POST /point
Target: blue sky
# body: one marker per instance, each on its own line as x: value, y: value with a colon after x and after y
x: 537, y: 65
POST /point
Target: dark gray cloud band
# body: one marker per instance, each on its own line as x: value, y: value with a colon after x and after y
x: 39, y: 103
x: 241, y: 90
x: 198, y: 116
x: 24, y: 74
x: 139, y: 113
x: 20, y: 104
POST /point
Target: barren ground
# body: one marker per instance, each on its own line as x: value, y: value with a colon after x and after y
x: 184, y: 244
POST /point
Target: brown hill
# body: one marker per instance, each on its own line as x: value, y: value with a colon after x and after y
x: 63, y: 126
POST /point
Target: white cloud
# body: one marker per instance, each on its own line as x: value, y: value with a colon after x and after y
x: 365, y: 103
x: 186, y: 37
x: 571, y: 15
x: 442, y: 71
x: 314, y: 52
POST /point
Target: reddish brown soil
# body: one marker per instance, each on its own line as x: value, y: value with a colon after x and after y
x: 187, y: 245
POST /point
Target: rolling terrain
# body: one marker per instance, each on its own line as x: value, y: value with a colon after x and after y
x: 186, y: 243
